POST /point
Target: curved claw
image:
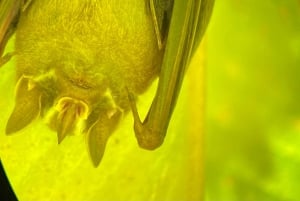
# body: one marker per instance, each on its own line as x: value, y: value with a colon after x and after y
x: 27, y: 106
x: 70, y: 112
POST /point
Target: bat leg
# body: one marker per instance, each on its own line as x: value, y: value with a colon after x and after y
x: 148, y: 133
x: 5, y: 59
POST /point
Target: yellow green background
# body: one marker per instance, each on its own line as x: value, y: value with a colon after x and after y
x: 244, y: 82
x: 252, y: 135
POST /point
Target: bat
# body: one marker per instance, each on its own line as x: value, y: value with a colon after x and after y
x: 81, y: 65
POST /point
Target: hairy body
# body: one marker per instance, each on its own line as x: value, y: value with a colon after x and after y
x: 91, y: 45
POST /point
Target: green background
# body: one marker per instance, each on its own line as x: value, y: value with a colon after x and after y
x: 253, y: 102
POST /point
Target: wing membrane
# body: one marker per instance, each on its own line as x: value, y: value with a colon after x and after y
x: 188, y: 23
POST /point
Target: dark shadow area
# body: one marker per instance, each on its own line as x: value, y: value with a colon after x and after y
x: 6, y: 191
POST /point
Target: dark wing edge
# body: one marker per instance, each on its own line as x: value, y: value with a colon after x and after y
x: 9, y: 14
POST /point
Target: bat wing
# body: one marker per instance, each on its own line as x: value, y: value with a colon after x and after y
x: 9, y: 16
x: 188, y: 23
